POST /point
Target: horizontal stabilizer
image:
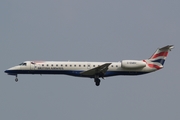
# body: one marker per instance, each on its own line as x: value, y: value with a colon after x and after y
x: 168, y: 47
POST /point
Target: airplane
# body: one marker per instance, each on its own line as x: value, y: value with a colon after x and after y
x: 95, y: 70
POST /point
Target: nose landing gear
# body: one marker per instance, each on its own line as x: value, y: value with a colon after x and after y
x: 16, y: 79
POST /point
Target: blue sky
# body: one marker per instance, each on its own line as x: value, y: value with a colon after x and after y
x: 100, y: 30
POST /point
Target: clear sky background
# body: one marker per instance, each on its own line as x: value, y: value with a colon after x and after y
x: 89, y: 30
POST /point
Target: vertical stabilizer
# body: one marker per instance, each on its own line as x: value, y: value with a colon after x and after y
x: 158, y: 58
x: 160, y: 55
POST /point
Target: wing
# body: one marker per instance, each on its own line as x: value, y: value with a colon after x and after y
x: 97, y: 70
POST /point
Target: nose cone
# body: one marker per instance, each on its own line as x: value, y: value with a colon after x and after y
x: 12, y: 70
x: 6, y: 71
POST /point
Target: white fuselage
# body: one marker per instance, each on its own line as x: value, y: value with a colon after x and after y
x: 73, y: 68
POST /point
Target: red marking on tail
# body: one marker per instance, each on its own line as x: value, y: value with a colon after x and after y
x: 164, y: 54
x: 154, y: 66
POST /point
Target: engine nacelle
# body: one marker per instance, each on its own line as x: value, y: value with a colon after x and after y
x: 132, y: 64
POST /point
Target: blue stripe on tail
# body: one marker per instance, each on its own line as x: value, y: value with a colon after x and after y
x: 159, y: 61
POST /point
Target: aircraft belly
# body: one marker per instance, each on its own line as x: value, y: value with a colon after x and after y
x: 115, y: 73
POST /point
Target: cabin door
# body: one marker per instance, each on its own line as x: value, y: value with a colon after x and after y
x: 32, y: 65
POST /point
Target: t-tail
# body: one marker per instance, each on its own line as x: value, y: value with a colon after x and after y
x: 157, y: 60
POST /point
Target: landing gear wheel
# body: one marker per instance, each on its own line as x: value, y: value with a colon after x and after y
x: 97, y: 81
x: 16, y: 79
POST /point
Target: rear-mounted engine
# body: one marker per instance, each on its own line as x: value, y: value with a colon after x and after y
x: 132, y: 64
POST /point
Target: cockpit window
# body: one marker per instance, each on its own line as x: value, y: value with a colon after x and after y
x: 23, y: 64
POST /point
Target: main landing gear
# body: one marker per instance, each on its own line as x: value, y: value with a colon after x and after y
x: 16, y: 79
x: 97, y: 80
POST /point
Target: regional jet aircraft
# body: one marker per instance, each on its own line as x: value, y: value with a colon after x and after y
x: 95, y: 70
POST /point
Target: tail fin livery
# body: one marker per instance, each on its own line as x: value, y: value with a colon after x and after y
x: 158, y: 58
x: 160, y: 55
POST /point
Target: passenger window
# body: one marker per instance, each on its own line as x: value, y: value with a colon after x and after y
x: 52, y: 65
x: 111, y: 65
x: 57, y: 65
x: 61, y: 65
x: 66, y: 65
x: 42, y: 64
x: 93, y: 65
x: 84, y: 65
x: 74, y: 65
x: 47, y: 65
x: 116, y: 65
x: 79, y: 65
